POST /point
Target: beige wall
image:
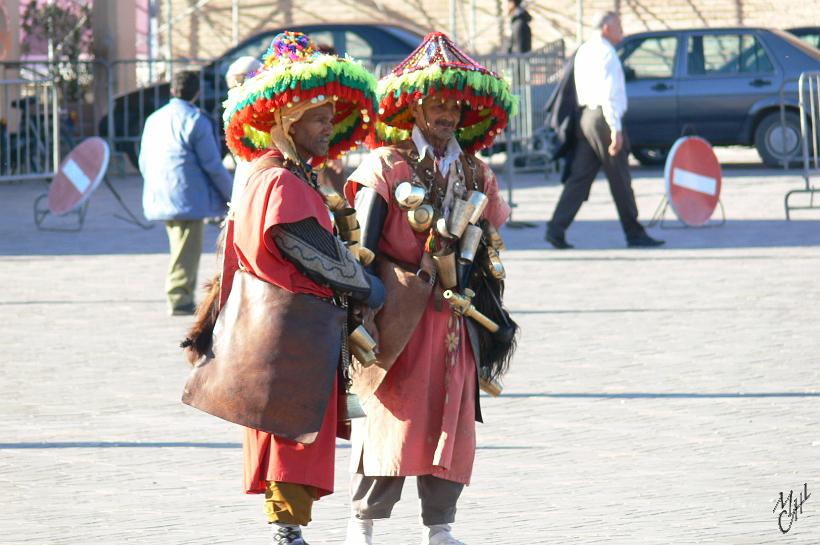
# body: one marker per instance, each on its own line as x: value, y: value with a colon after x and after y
x: 208, y: 32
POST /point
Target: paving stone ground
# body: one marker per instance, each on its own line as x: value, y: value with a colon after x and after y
x: 658, y: 396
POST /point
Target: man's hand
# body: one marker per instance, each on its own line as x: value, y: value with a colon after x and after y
x: 616, y: 144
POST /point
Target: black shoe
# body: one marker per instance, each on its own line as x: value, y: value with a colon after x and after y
x: 558, y: 241
x: 644, y: 241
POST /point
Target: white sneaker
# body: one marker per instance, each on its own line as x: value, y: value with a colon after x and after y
x: 439, y: 534
x: 359, y: 531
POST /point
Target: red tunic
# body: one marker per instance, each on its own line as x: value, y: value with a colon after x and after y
x: 275, y: 196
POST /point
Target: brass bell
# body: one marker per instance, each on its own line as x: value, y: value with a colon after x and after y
x: 366, y: 256
x: 362, y: 346
x: 421, y: 219
x: 352, y: 408
x: 494, y: 264
x: 490, y: 386
x: 494, y: 237
x: 468, y: 245
x: 345, y: 219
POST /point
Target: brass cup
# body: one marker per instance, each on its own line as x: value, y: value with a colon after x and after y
x: 365, y: 357
x: 354, y: 235
x: 489, y: 386
x: 352, y: 408
x: 459, y: 217
x: 354, y: 248
x: 333, y: 199
x: 366, y: 257
x: 468, y: 245
x: 409, y: 196
x: 494, y: 265
x: 346, y: 219
x: 441, y: 228
x: 361, y: 338
x: 479, y: 200
x: 446, y: 267
x: 493, y: 237
x: 421, y: 219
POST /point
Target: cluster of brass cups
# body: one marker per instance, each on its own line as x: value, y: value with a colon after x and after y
x: 410, y: 197
x: 349, y: 229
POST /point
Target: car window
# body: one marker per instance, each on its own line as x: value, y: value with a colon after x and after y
x: 357, y: 47
x: 650, y: 58
x: 323, y: 37
x: 726, y: 54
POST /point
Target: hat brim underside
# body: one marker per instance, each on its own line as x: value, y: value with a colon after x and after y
x: 488, y: 104
x: 249, y: 112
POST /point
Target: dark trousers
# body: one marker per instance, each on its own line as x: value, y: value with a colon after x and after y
x: 591, y: 153
x: 374, y: 497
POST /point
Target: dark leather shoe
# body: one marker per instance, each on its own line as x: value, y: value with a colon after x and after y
x: 558, y: 241
x: 644, y: 241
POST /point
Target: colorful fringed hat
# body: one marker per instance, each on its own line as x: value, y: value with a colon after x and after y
x: 439, y: 67
x: 293, y: 75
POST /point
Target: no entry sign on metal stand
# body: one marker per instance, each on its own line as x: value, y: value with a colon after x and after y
x: 693, y: 180
x: 80, y: 173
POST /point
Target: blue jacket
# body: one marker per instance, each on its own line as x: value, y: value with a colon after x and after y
x: 181, y: 164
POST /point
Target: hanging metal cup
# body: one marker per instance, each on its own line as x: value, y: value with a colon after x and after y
x: 333, y: 199
x: 362, y: 346
x: 354, y: 248
x: 441, y: 228
x: 446, y: 267
x: 421, y: 219
x: 354, y: 235
x: 366, y: 257
x: 468, y: 244
x: 345, y: 219
x: 459, y: 217
x: 479, y: 200
x: 409, y: 196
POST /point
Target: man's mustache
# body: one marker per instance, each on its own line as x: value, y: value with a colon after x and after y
x: 445, y: 125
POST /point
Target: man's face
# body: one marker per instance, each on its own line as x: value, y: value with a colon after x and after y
x: 439, y: 118
x: 613, y: 31
x: 311, y: 134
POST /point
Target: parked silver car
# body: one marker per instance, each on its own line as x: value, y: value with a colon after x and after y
x: 724, y: 85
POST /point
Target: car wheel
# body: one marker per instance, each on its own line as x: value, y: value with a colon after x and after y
x: 776, y: 143
x: 651, y: 157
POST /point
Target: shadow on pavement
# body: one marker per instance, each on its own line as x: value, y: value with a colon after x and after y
x: 607, y: 235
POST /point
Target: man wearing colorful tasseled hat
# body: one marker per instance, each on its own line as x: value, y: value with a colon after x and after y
x: 430, y: 210
x: 299, y: 109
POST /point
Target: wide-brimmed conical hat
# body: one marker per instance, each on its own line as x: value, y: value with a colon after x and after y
x: 439, y: 67
x: 295, y: 73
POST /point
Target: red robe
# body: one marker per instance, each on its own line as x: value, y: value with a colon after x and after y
x: 421, y: 419
x: 276, y: 196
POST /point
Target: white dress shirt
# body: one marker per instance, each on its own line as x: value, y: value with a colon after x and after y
x: 599, y: 80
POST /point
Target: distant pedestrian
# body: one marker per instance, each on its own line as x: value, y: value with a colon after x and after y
x: 238, y: 71
x: 185, y: 182
x: 520, y: 33
x: 600, y: 139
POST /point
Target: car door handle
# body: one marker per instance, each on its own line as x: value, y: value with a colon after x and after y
x: 760, y: 82
x: 661, y: 87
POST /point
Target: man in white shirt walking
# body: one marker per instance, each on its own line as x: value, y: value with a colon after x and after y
x: 601, y: 142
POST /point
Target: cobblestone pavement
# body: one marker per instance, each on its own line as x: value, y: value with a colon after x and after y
x: 658, y: 396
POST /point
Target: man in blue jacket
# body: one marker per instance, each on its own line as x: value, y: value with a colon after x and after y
x: 185, y: 182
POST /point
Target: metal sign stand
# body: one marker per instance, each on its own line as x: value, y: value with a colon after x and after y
x: 659, y: 218
x: 132, y: 219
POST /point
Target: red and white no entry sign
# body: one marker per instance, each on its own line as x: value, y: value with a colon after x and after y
x: 80, y: 173
x: 693, y: 180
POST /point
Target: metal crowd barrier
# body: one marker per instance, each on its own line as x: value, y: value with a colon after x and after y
x: 809, y: 97
x: 113, y: 99
x: 28, y: 123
